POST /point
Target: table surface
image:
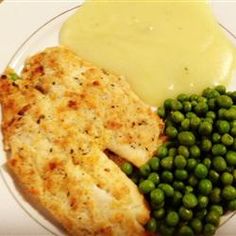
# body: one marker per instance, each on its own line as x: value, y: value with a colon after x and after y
x: 18, y: 19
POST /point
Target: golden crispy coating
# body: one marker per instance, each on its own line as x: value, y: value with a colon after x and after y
x: 57, y: 122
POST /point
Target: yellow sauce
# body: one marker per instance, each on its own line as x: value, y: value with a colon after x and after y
x: 162, y: 47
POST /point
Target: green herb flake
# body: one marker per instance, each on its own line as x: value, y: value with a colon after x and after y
x: 14, y: 77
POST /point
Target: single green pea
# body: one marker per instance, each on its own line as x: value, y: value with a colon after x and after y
x: 206, y: 91
x: 211, y: 114
x: 187, y: 106
x: 230, y: 114
x: 208, y: 119
x: 182, y: 97
x: 185, y: 214
x: 232, y: 205
x: 218, y: 149
x: 205, y: 186
x: 218, y: 209
x: 186, y: 138
x: 219, y: 163
x: 188, y: 189
x: 159, y: 214
x: 154, y: 163
x: 183, y: 150
x: 191, y: 164
x: 209, y: 230
x: 224, y: 101
x: 213, y: 217
x: 175, y: 105
x: 162, y: 151
x: 233, y: 131
x: 196, y: 225
x: 185, y: 124
x: 161, y: 112
x: 146, y: 186
x: 216, y: 138
x: 194, y: 103
x: 177, y: 198
x: 157, y: 196
x: 172, y: 218
x: 167, y: 189
x: 193, y: 97
x: 201, y: 171
x: 180, y: 162
x: 213, y: 176
x: 171, y: 132
x: 233, y: 124
x: 127, y: 168
x: 172, y: 151
x: 167, y: 103
x: 231, y: 158
x: 215, y: 195
x: 227, y: 139
x: 201, y: 108
x: 190, y: 115
x: 221, y: 89
x: 181, y: 174
x: 189, y: 200
x: 195, y: 151
x: 221, y: 113
x: 202, y: 201
x: 207, y: 162
x: 226, y: 178
x: 152, y: 225
x: 211, y: 104
x: 167, y: 162
x: 229, y: 192
x: 211, y: 93
x: 185, y: 231
x: 154, y: 177
x: 192, y: 180
x: 145, y: 170
x: 223, y: 126
x: 205, y: 128
x: 167, y: 176
x: 195, y: 122
x: 178, y: 185
x: 202, y: 99
x: 177, y: 116
x: 206, y: 145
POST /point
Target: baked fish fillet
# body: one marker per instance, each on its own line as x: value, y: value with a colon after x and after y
x: 57, y: 122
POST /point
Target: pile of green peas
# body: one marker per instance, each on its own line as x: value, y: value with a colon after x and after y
x: 191, y: 181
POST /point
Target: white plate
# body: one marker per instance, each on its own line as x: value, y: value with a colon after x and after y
x: 47, y: 36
